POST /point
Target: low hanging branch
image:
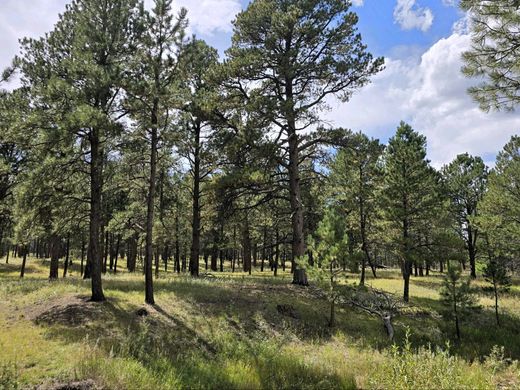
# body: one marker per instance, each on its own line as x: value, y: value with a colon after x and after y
x: 379, y: 303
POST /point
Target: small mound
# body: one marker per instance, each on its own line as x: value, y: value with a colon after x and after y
x: 70, y: 311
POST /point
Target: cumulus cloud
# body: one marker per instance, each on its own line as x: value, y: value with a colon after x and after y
x: 358, y: 3
x: 450, y: 3
x: 208, y: 16
x: 410, y: 16
x: 17, y: 20
x: 429, y: 92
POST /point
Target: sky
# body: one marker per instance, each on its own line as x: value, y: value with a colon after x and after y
x: 421, y: 40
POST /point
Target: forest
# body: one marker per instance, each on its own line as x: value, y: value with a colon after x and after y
x: 171, y: 217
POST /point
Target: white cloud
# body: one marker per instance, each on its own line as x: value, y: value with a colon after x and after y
x: 409, y: 16
x: 450, y: 3
x: 18, y: 19
x: 430, y: 93
x: 358, y: 3
x: 208, y: 16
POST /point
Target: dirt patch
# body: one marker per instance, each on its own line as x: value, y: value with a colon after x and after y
x: 72, y: 310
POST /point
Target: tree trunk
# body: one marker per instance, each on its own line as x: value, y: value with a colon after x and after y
x: 472, y: 250
x: 82, y: 257
x: 496, y: 303
x: 148, y: 257
x: 55, y: 257
x: 118, y: 243
x: 246, y: 244
x: 157, y: 261
x: 332, y: 318
x: 96, y: 187
x: 195, y: 236
x: 67, y: 258
x: 177, y: 243
x: 298, y: 239
x: 106, y: 248
x: 277, y: 253
x: 132, y: 253
x: 24, y: 260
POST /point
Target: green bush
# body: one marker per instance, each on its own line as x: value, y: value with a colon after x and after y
x: 8, y: 376
x: 428, y: 368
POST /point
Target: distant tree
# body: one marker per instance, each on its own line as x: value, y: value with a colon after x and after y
x: 410, y: 195
x: 494, y: 53
x: 354, y: 180
x: 456, y: 296
x: 287, y: 57
x: 495, y: 272
x: 465, y: 182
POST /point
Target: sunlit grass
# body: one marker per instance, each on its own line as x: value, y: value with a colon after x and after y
x: 224, y: 331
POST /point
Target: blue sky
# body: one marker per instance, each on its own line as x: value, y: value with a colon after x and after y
x: 422, y: 41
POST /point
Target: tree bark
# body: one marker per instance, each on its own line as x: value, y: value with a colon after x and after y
x: 195, y: 236
x: 67, y: 258
x: 24, y: 260
x: 96, y: 186
x: 148, y: 259
x: 246, y: 244
x: 55, y: 257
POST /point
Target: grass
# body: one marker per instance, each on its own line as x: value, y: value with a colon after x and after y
x: 225, y: 331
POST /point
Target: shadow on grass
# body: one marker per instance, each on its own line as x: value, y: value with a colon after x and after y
x: 479, y: 331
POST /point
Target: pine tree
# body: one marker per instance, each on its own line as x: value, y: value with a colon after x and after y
x: 456, y: 296
x: 495, y: 272
x: 465, y: 182
x: 286, y: 59
x: 494, y: 53
x: 410, y: 195
x: 195, y: 144
x: 74, y: 77
x: 150, y: 87
x: 355, y: 175
x: 331, y: 241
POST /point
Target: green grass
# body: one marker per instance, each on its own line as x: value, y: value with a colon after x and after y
x: 225, y: 331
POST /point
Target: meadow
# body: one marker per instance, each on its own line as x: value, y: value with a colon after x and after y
x: 234, y: 331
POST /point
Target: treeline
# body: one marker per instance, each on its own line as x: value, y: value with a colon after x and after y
x: 126, y: 138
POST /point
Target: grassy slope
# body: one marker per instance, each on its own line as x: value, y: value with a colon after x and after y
x: 226, y: 332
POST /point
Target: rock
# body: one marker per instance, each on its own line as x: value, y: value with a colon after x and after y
x: 142, y: 312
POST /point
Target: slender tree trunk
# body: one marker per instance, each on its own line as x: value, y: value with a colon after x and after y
x: 472, y: 250
x: 118, y: 245
x: 82, y: 257
x: 495, y: 288
x: 106, y: 248
x: 277, y: 253
x: 148, y: 260
x: 157, y: 261
x: 67, y: 257
x: 177, y: 243
x: 246, y: 244
x: 195, y: 236
x: 24, y: 260
x: 96, y: 187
